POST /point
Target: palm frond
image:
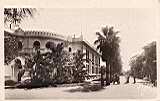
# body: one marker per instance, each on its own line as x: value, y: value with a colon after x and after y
x: 98, y: 46
x: 100, y: 35
x: 110, y: 32
x: 105, y: 30
x: 98, y: 41
x: 100, y: 38
x: 14, y: 15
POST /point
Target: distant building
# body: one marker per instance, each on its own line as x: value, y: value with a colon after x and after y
x: 27, y: 40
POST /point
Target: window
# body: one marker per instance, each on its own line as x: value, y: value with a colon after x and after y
x: 93, y: 69
x: 96, y: 70
x: 87, y: 56
x: 88, y: 70
x: 96, y: 60
x: 92, y: 58
x: 36, y: 44
x: 99, y: 61
x: 70, y: 49
x: 20, y: 45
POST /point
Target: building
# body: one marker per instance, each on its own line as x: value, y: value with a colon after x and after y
x: 27, y: 40
x: 92, y: 57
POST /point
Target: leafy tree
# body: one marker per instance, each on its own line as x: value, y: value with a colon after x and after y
x: 137, y: 67
x: 55, y: 63
x: 79, y: 69
x: 108, y: 45
x: 151, y: 61
x: 63, y: 71
x: 10, y: 48
x: 54, y: 60
x: 144, y: 65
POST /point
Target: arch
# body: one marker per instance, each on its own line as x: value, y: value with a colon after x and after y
x: 36, y: 44
x: 50, y: 45
x: 20, y: 45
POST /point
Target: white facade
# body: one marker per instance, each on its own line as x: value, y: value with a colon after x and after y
x: 92, y: 57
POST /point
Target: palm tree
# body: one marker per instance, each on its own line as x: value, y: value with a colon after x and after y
x: 16, y: 15
x: 108, y: 45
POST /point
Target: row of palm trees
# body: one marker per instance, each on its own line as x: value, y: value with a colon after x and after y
x: 108, y: 45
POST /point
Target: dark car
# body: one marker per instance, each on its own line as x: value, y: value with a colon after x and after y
x: 115, y: 79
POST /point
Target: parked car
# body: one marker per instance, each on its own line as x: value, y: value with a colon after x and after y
x: 115, y: 79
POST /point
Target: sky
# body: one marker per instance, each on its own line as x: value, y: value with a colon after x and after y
x: 137, y: 26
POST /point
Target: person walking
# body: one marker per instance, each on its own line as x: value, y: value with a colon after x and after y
x: 20, y: 69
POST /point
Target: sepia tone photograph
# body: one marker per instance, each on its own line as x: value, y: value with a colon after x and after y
x: 80, y: 53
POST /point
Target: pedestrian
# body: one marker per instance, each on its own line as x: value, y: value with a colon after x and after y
x: 127, y: 77
x: 20, y: 69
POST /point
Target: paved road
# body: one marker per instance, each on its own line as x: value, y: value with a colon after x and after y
x: 122, y: 91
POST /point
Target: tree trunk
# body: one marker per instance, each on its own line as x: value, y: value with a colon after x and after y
x: 10, y: 26
x: 102, y: 79
x: 128, y: 76
x: 134, y: 78
x: 107, y: 73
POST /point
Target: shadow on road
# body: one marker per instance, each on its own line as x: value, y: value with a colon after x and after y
x: 86, y: 88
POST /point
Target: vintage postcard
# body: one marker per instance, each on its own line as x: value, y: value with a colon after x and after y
x: 85, y: 53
